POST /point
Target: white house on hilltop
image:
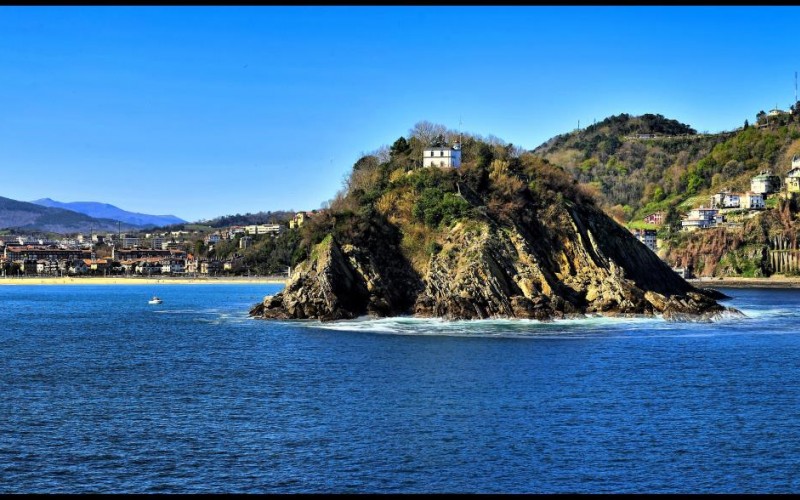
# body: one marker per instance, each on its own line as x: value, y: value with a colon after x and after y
x: 441, y: 155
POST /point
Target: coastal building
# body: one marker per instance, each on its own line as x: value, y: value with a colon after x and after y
x: 20, y: 253
x: 441, y: 155
x: 753, y: 201
x: 157, y: 242
x: 98, y: 265
x: 192, y: 265
x: 210, y: 266
x: 683, y: 272
x: 173, y: 245
x: 700, y: 218
x: 148, y: 266
x: 212, y: 238
x: 725, y: 199
x: 172, y: 266
x: 765, y: 183
x: 77, y: 266
x: 656, y: 218
x: 299, y: 219
x: 130, y: 242
x: 257, y: 229
x: 646, y: 236
x: 145, y: 253
x: 793, y: 176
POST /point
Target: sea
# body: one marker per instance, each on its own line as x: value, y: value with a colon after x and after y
x: 101, y: 392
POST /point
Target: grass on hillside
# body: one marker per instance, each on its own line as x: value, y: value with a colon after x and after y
x: 640, y: 224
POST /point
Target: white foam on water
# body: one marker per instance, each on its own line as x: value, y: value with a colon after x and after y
x: 576, y: 327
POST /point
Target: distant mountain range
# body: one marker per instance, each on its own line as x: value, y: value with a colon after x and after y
x: 106, y: 211
x: 25, y: 216
x: 48, y: 215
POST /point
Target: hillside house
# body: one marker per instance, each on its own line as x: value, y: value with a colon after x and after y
x: 212, y: 238
x: 646, y: 236
x: 793, y: 176
x: 753, y: 201
x: 299, y: 219
x: 725, y: 199
x: 700, y: 218
x: 440, y: 154
x: 765, y: 183
x: 264, y: 229
x: 656, y: 218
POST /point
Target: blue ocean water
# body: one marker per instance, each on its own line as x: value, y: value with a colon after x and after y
x: 101, y: 392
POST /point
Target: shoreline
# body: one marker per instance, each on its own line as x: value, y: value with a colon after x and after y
x: 121, y: 280
x: 733, y: 282
x: 728, y: 282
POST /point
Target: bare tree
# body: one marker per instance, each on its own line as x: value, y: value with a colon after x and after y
x: 382, y: 154
x: 426, y: 132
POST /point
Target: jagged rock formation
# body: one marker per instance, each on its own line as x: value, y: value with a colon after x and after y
x: 564, y: 259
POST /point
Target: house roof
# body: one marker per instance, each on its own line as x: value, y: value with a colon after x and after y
x: 764, y: 176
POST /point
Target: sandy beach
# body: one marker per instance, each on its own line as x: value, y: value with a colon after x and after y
x: 120, y: 280
x: 771, y: 282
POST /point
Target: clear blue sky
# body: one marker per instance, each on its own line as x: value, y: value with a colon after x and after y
x: 207, y: 111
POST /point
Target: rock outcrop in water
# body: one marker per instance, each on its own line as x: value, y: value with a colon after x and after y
x: 587, y: 264
x: 540, y: 255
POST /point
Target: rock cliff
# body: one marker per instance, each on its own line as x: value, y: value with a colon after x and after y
x: 543, y: 263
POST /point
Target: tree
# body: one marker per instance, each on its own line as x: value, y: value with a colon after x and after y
x: 426, y: 132
x: 746, y: 124
x: 400, y: 147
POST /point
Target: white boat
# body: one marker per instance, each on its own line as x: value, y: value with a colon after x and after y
x: 154, y: 300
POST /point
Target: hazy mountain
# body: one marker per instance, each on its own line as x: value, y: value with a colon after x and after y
x: 32, y: 217
x: 106, y: 211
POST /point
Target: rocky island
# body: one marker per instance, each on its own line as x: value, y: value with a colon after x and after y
x: 501, y: 235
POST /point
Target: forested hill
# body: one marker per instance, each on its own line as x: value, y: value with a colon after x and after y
x: 630, y: 160
x: 643, y: 163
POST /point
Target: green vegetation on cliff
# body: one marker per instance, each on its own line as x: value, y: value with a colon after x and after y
x: 643, y: 164
x: 495, y: 180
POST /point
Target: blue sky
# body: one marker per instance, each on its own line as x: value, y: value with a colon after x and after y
x: 207, y: 111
